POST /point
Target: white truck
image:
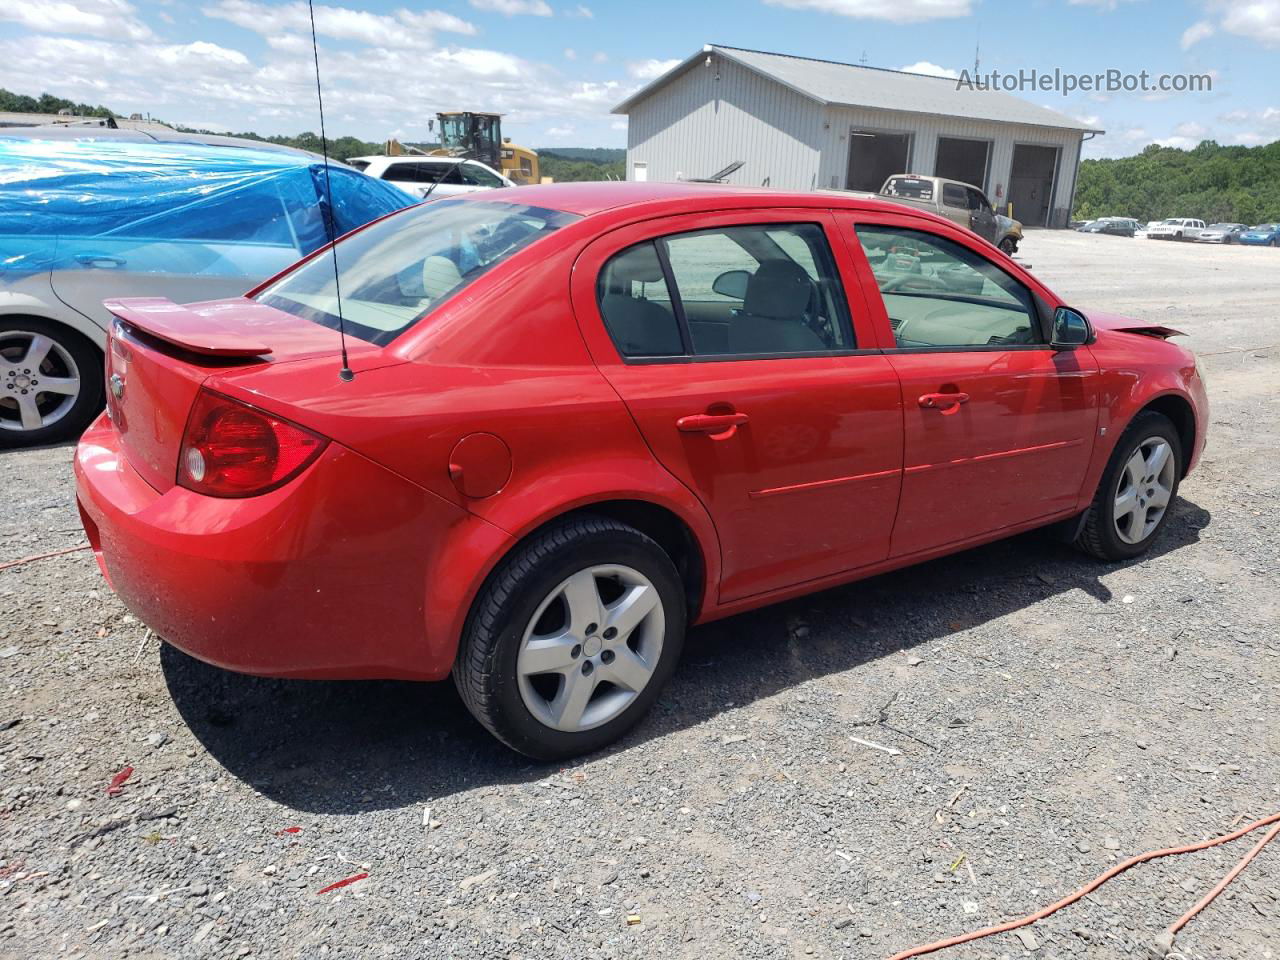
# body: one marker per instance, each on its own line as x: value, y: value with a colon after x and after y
x: 1175, y: 228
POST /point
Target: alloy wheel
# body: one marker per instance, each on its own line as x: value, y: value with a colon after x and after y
x: 39, y: 381
x: 1143, y: 490
x: 591, y: 647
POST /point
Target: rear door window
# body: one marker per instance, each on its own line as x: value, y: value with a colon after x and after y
x: 953, y: 195
x: 729, y: 292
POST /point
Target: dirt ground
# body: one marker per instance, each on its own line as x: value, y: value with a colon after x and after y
x: 1049, y: 716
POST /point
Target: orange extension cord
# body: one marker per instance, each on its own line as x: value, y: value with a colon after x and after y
x: 1115, y: 871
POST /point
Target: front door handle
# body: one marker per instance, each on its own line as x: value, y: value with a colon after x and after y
x: 720, y: 426
x: 99, y: 260
x: 943, y: 401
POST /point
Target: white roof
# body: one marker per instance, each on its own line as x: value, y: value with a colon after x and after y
x: 849, y: 84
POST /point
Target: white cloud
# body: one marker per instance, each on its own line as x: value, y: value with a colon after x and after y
x: 620, y: 124
x: 514, y: 8
x: 293, y: 43
x: 930, y: 69
x: 570, y: 53
x: 1256, y: 19
x: 1091, y: 120
x: 650, y: 69
x: 894, y: 11
x: 1181, y: 143
x: 1249, y: 138
x: 580, y: 11
x: 560, y: 132
x: 599, y: 57
x: 404, y: 28
x: 1107, y: 5
x: 1201, y: 30
x: 96, y: 18
x: 1191, y: 130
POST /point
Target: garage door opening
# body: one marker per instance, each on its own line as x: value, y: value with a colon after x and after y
x: 1031, y: 183
x: 963, y: 160
x: 875, y: 157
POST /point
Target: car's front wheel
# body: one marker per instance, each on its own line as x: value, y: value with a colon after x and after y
x: 1136, y: 491
x: 572, y: 638
x: 1009, y: 245
x: 50, y: 382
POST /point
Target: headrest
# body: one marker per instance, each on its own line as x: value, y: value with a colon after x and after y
x: 780, y: 288
x: 439, y: 276
x: 639, y: 264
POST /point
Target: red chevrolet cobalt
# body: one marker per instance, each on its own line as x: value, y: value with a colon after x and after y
x: 584, y: 417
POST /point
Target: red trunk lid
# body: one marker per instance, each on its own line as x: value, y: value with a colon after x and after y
x: 159, y: 353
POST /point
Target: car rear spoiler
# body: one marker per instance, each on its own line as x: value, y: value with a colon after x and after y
x: 191, y: 330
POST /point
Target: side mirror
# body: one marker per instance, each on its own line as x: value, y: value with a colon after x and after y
x: 732, y: 284
x: 1070, y: 329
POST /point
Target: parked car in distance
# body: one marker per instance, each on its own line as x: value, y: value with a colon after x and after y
x: 420, y: 176
x: 1176, y: 228
x: 961, y: 203
x: 1115, y: 226
x: 1221, y: 233
x: 586, y: 416
x: 1264, y: 234
x: 91, y: 214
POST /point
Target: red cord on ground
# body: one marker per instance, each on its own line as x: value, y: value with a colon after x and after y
x: 43, y: 556
x: 1114, y: 872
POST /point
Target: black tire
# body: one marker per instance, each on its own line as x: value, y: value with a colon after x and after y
x: 485, y: 669
x: 1009, y: 246
x: 1098, y: 535
x: 87, y: 404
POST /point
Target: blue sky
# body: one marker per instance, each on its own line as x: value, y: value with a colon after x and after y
x: 556, y: 67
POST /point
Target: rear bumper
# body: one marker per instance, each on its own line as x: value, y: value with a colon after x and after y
x: 328, y: 576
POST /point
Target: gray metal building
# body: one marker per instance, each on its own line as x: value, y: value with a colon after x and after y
x: 803, y: 124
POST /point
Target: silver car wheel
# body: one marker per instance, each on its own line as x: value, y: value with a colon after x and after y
x: 39, y: 381
x: 1143, y: 490
x: 591, y: 647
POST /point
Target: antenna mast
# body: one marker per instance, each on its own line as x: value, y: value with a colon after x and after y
x: 346, y: 374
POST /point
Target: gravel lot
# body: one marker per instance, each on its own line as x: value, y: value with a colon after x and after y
x: 1053, y: 715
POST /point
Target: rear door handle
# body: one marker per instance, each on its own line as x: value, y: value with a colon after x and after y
x: 719, y: 425
x: 939, y: 401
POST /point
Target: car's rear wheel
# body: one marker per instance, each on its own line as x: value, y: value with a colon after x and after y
x: 50, y: 382
x: 1009, y: 246
x: 1136, y: 491
x: 572, y: 638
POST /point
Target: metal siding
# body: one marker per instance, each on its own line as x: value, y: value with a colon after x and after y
x: 696, y: 125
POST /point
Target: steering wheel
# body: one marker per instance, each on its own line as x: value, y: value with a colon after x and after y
x: 912, y: 282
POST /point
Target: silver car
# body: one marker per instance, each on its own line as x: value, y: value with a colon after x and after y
x: 86, y: 215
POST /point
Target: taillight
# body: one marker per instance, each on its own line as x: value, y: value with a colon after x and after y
x: 231, y: 449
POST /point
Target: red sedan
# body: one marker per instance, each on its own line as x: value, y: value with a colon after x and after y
x: 584, y: 417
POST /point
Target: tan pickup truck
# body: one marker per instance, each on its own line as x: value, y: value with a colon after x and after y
x: 959, y: 202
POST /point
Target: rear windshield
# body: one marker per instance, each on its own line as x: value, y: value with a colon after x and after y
x: 397, y: 271
x: 909, y: 187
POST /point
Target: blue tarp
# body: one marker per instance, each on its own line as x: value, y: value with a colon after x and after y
x: 58, y: 197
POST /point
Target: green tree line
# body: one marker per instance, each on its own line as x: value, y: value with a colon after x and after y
x: 11, y: 102
x: 1213, y: 183
x: 571, y: 167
